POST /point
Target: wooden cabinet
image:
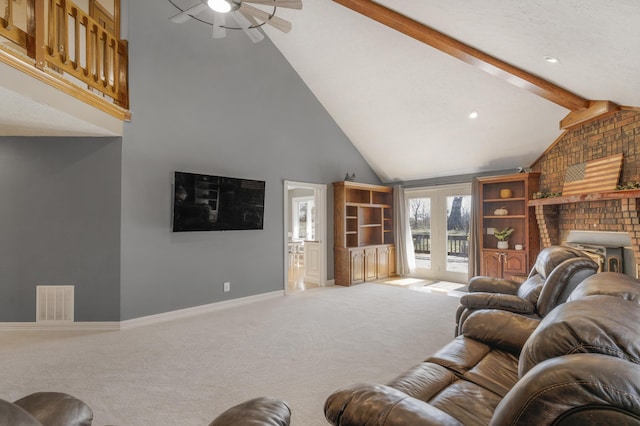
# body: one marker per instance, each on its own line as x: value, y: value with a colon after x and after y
x: 504, y: 264
x: 504, y: 202
x: 363, y: 228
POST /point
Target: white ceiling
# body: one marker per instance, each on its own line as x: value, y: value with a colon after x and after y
x: 405, y: 105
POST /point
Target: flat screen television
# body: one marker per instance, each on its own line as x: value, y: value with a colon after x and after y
x: 217, y: 203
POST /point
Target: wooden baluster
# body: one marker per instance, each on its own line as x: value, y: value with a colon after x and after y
x: 64, y: 31
x: 76, y: 39
x: 8, y: 17
x: 87, y: 46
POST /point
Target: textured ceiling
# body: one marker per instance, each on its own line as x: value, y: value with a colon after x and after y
x: 405, y: 105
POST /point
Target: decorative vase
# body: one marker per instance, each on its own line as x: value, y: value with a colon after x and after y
x: 503, y: 244
x: 505, y: 193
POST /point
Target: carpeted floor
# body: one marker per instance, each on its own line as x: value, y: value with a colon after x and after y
x: 299, y: 347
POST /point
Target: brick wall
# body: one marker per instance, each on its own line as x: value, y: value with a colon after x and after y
x: 617, y: 133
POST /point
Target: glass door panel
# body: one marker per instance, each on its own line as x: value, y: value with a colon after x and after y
x: 457, y: 247
x: 420, y: 221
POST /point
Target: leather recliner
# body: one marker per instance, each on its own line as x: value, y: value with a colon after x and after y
x: 578, y: 365
x: 46, y: 409
x: 557, y: 271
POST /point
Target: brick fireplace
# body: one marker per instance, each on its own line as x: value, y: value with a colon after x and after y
x: 609, y: 212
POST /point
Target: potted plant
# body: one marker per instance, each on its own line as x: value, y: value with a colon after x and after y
x: 502, y: 235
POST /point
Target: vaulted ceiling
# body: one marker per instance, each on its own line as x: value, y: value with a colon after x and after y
x: 405, y: 105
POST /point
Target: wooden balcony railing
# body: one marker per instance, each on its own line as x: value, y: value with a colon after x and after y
x: 58, y: 37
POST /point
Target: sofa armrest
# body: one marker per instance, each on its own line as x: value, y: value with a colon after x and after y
x: 492, y: 285
x: 501, y: 329
x: 262, y: 411
x: 578, y: 388
x: 57, y: 408
x: 505, y: 302
x: 379, y: 405
x: 12, y: 414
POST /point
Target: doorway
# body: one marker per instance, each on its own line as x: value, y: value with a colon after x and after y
x: 305, y: 218
x: 439, y: 219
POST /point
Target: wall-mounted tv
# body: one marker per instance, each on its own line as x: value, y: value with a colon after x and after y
x: 217, y: 203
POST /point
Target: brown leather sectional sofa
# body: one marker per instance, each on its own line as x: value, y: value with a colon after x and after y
x: 558, y: 270
x: 578, y: 365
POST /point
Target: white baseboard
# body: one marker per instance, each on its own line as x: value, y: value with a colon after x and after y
x: 136, y: 322
x: 330, y: 282
x: 61, y: 326
x: 196, y: 310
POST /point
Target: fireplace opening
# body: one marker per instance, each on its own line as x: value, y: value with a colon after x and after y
x: 612, y: 251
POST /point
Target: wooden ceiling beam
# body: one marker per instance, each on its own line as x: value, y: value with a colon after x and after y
x: 596, y: 109
x: 468, y: 54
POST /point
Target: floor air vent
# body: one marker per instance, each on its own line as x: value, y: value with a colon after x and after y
x: 54, y: 303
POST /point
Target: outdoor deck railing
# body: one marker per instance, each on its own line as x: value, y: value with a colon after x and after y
x: 457, y: 245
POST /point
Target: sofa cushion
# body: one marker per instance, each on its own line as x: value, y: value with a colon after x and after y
x: 608, y: 284
x: 478, y: 363
x: 594, y: 324
x: 423, y: 381
x: 467, y: 402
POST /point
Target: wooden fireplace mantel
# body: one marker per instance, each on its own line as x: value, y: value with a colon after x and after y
x: 581, y: 198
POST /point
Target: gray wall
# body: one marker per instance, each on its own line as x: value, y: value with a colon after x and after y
x: 60, y: 216
x: 225, y: 107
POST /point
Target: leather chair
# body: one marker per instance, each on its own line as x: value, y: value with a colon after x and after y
x: 46, y: 409
x: 578, y: 365
x: 558, y: 270
x: 261, y: 411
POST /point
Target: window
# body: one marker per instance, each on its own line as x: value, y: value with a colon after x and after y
x: 303, y: 216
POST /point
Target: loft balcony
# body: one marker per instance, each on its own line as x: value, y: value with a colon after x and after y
x: 63, y: 68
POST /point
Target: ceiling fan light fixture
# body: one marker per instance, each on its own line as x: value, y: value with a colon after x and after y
x: 220, y: 6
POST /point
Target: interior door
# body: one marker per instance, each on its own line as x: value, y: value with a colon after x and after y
x: 305, y: 219
x: 312, y: 261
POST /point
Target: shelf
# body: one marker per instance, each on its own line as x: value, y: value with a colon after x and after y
x: 510, y: 216
x: 503, y: 200
x: 370, y: 225
x: 581, y: 198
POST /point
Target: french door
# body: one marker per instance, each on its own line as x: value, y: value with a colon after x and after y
x: 439, y: 219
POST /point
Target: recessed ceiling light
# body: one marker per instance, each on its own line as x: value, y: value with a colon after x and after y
x: 474, y: 114
x: 551, y: 60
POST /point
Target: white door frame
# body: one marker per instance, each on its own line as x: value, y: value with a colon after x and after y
x: 438, y: 196
x: 320, y: 191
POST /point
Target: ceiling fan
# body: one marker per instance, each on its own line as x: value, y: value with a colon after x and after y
x: 245, y: 16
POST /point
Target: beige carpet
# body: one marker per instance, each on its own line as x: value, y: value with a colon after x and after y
x: 299, y: 347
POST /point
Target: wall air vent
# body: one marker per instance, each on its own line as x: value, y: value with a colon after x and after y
x: 54, y: 303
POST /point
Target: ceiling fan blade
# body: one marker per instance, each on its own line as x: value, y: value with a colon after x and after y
x: 245, y: 23
x: 219, y: 19
x: 184, y: 16
x: 274, y: 21
x: 289, y: 4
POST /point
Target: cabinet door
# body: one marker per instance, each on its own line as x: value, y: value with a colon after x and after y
x: 370, y: 261
x: 383, y: 262
x: 491, y: 264
x: 392, y: 260
x: 357, y: 266
x: 514, y: 264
